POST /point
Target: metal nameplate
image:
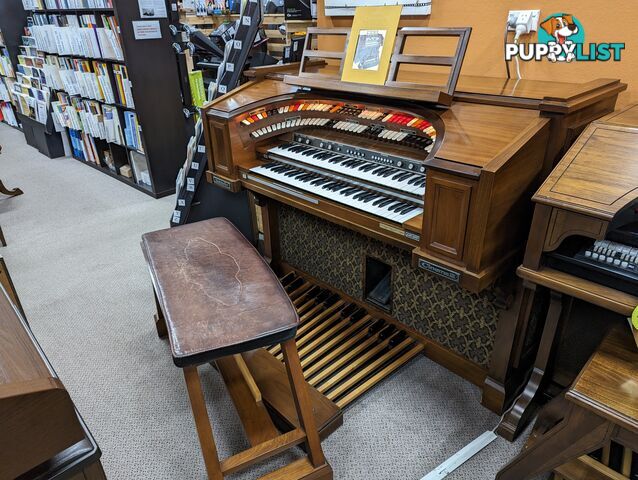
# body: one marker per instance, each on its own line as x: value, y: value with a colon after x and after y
x: 412, y: 236
x: 222, y: 183
x: 440, y: 271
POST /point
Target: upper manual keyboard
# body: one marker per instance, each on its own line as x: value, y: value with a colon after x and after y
x: 355, y: 166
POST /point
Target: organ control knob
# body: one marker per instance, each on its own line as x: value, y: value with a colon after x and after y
x: 329, y: 147
x: 422, y: 169
x: 399, y: 163
x: 307, y: 141
x: 410, y: 166
x: 321, y: 145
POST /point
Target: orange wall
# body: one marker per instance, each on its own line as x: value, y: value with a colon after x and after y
x: 611, y: 21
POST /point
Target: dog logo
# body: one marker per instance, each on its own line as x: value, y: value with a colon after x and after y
x: 561, y: 38
x: 563, y: 31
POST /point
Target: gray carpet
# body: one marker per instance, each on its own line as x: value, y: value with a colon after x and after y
x: 76, y: 262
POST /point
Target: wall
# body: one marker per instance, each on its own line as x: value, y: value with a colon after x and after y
x: 612, y: 21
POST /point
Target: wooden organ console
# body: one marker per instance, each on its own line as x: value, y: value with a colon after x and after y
x: 408, y: 200
x: 42, y: 434
x: 583, y: 244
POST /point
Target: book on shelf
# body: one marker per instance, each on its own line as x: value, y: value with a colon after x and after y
x: 105, y: 86
x: 114, y: 133
x: 6, y: 67
x: 133, y: 131
x: 124, y: 87
x: 141, y: 173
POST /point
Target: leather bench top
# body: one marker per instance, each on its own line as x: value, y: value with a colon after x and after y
x: 217, y: 294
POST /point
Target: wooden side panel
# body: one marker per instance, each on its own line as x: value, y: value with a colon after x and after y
x: 222, y: 156
x: 447, y: 206
x: 502, y: 215
x: 35, y: 427
x: 564, y: 224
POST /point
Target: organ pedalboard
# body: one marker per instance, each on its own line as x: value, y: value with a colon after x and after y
x: 345, y: 349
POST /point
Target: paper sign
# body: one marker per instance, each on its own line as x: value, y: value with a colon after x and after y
x: 201, y: 148
x: 181, y: 202
x: 147, y: 30
x: 195, y: 166
x: 152, y: 8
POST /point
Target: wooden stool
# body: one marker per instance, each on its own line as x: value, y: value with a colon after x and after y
x: 218, y: 299
x: 601, y: 406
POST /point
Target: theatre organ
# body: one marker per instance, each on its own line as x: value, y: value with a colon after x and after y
x: 411, y: 200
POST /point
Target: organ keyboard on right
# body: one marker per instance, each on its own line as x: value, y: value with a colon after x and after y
x: 583, y: 244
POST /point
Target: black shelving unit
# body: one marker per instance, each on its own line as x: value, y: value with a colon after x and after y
x: 153, y: 73
x: 13, y: 18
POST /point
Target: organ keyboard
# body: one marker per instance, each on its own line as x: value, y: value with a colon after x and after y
x: 443, y: 174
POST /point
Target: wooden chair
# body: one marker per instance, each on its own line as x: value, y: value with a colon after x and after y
x: 218, y: 299
x: 601, y: 406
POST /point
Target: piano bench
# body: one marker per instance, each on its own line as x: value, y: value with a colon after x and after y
x: 218, y: 299
x: 600, y: 406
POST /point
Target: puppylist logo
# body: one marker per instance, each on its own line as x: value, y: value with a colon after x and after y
x: 561, y: 38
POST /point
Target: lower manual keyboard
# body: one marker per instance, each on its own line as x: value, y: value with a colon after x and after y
x: 350, y: 193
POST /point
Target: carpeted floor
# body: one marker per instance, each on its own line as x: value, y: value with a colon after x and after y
x: 77, y: 265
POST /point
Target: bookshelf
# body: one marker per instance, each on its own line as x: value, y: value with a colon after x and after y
x: 12, y: 21
x: 118, y: 98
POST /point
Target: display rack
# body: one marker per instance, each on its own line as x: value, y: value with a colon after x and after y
x: 229, y: 77
x: 12, y: 21
x: 147, y: 149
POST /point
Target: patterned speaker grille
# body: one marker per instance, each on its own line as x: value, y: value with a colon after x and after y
x: 460, y: 320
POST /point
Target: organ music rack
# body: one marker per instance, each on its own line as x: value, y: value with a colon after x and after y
x: 492, y: 143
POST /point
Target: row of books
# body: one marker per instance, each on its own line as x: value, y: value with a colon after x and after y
x: 89, y: 79
x: 32, y: 102
x: 98, y: 120
x: 6, y: 89
x: 7, y: 114
x: 6, y: 68
x: 84, y: 147
x: 77, y: 35
x: 64, y: 4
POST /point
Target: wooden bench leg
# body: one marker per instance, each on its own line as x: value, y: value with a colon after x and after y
x: 579, y: 433
x: 160, y: 323
x: 302, y: 403
x: 3, y: 242
x: 202, y: 423
x: 12, y: 193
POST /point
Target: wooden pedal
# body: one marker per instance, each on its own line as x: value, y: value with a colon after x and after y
x: 344, y: 349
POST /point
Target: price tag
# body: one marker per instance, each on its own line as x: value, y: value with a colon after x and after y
x: 174, y: 7
x: 201, y: 148
x: 181, y: 202
x: 222, y: 89
x: 190, y: 181
x: 245, y: 21
x: 195, y: 165
x: 177, y: 215
x: 230, y: 67
x: 237, y: 44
